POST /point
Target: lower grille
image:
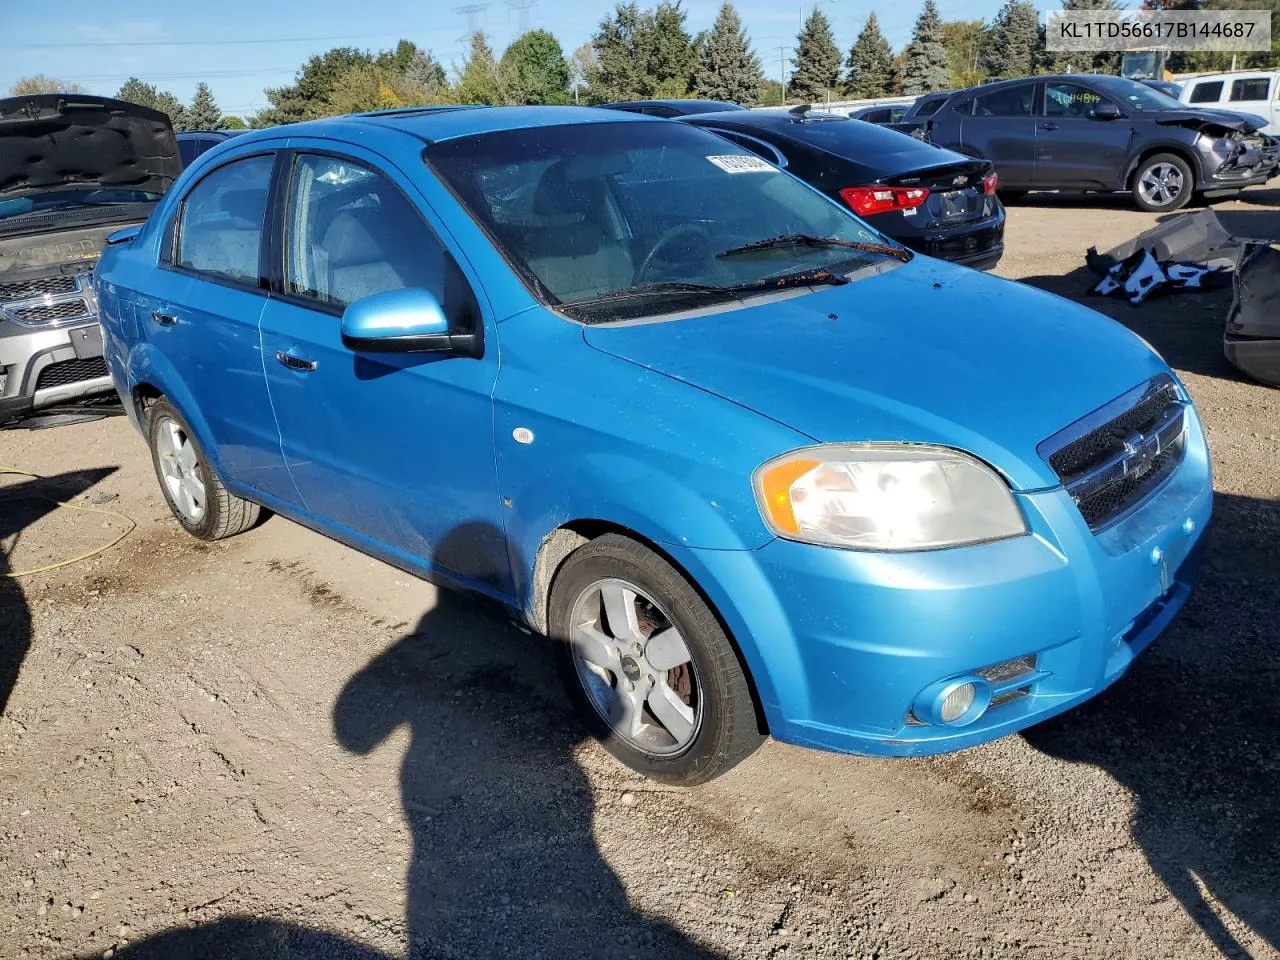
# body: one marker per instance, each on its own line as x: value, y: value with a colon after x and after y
x: 71, y: 371
x: 1114, y: 459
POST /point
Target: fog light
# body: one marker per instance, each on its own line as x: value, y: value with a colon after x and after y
x: 957, y: 703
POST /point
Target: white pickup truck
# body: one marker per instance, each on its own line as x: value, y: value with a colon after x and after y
x: 1242, y: 92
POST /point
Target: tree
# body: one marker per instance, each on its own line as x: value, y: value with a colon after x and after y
x: 40, y: 83
x: 135, y: 91
x: 964, y: 40
x: 870, y: 63
x: 727, y: 68
x: 1013, y: 40
x: 308, y: 96
x: 583, y: 64
x: 234, y: 123
x: 817, y: 62
x: 1079, y: 61
x: 533, y: 70
x: 203, y: 114
x: 671, y: 57
x: 621, y: 57
x: 479, y: 80
x: 771, y: 94
x: 365, y: 86
x: 424, y: 73
x: 166, y: 102
x: 926, y: 67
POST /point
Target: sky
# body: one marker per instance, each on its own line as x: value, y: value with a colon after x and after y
x: 240, y: 47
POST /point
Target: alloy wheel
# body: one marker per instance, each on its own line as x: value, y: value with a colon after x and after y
x: 1161, y: 184
x: 180, y: 469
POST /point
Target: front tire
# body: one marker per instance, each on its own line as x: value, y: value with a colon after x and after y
x: 195, y: 495
x: 1162, y: 183
x: 648, y: 665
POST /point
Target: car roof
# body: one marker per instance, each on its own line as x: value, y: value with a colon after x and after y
x: 434, y: 124
x: 676, y: 103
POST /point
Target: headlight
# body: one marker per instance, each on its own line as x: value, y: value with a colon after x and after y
x: 885, y: 497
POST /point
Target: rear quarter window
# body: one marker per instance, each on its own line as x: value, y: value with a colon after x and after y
x: 1257, y: 88
x: 1210, y: 92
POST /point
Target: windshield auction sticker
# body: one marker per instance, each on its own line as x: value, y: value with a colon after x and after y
x: 741, y: 164
x: 1125, y: 30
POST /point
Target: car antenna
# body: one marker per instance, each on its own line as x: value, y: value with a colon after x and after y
x: 800, y: 111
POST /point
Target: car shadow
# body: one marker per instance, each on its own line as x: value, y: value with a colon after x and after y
x: 21, y: 505
x: 504, y: 860
x: 1193, y: 732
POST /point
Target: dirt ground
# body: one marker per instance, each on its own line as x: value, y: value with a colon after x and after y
x: 276, y: 747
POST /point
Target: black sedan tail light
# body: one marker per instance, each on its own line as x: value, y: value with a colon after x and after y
x: 868, y: 200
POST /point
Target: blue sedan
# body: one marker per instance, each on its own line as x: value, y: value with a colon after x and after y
x: 754, y: 467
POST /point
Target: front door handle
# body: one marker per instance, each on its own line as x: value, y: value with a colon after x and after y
x: 1048, y: 126
x: 164, y: 319
x: 295, y: 363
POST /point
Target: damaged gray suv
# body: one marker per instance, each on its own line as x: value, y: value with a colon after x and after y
x: 73, y: 169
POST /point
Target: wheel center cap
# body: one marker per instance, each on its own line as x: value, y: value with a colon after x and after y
x: 630, y: 669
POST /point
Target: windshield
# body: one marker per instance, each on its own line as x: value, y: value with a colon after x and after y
x: 69, y: 199
x: 1136, y: 96
x: 653, y: 215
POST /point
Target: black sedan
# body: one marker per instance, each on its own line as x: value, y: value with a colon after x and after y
x: 672, y: 108
x: 934, y: 201
x: 1090, y: 132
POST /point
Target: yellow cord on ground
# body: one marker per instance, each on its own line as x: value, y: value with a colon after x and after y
x: 133, y: 525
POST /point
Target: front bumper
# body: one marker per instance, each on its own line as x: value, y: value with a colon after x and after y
x: 843, y: 644
x: 42, y: 367
x: 1256, y: 163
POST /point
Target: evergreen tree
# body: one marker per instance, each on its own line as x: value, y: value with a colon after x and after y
x: 534, y: 70
x: 927, y: 67
x: 817, y: 62
x: 964, y: 40
x: 479, y: 81
x: 135, y: 91
x: 1013, y: 40
x: 870, y: 63
x: 621, y: 43
x: 424, y: 73
x: 166, y: 102
x: 1078, y: 61
x: 671, y: 56
x: 727, y: 68
x: 203, y: 114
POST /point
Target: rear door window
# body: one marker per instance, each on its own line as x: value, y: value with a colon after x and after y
x: 1207, y: 92
x: 1254, y: 88
x: 219, y: 227
x: 1016, y: 101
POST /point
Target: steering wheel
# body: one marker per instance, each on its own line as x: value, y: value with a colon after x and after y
x: 669, y: 236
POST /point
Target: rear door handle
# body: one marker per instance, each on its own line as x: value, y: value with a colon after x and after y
x: 295, y: 363
x: 164, y: 319
x: 1048, y: 126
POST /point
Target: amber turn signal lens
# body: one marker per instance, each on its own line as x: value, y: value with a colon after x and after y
x: 775, y: 485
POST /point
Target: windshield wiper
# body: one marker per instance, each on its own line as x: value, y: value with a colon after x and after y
x: 810, y: 240
x: 804, y: 278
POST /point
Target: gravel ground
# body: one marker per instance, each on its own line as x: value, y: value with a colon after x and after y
x: 275, y: 747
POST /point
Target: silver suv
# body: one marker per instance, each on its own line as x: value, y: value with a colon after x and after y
x: 73, y: 170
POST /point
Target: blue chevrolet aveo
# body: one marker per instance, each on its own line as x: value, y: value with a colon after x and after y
x: 753, y: 467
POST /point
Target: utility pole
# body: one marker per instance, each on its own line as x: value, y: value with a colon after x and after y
x: 472, y: 12
x: 782, y: 72
x: 522, y: 8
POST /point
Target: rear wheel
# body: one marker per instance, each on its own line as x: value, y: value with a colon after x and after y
x: 193, y: 491
x: 648, y: 665
x: 1162, y: 182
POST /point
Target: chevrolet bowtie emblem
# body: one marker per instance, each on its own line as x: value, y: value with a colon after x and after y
x: 1140, y: 452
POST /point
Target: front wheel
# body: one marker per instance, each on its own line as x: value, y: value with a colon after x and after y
x: 648, y: 665
x: 1163, y: 182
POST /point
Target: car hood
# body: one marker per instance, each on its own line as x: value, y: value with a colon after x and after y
x: 1195, y: 117
x: 59, y: 140
x: 927, y: 353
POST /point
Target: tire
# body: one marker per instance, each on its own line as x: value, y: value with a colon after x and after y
x: 1011, y: 197
x: 219, y: 514
x: 1162, y: 182
x: 719, y: 728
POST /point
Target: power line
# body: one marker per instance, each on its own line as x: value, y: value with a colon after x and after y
x: 225, y: 41
x: 202, y: 75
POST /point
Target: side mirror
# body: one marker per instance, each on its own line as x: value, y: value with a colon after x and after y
x: 1106, y: 110
x: 404, y: 321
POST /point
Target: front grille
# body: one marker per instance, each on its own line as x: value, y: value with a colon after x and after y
x: 77, y: 309
x: 27, y: 289
x: 1112, y: 460
x: 71, y: 371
